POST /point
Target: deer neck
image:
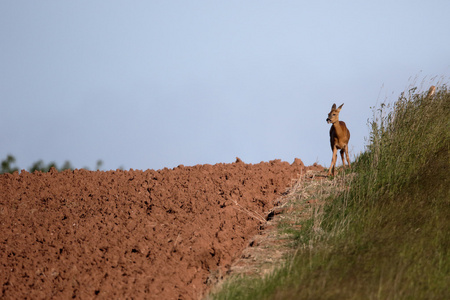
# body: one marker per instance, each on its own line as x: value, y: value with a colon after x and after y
x: 338, y: 128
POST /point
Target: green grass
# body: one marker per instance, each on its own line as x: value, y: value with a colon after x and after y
x: 388, y: 236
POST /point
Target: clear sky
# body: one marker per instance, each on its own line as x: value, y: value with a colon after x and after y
x: 154, y: 84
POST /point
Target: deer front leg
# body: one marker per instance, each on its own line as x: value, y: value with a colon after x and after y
x: 333, y: 162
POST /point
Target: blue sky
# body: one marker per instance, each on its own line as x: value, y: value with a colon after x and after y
x: 154, y: 84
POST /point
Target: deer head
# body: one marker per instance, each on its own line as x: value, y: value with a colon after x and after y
x: 333, y: 116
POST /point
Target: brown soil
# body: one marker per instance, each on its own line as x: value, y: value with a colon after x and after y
x: 132, y: 234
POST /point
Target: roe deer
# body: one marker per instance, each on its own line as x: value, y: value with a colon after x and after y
x: 339, y: 137
x: 431, y: 92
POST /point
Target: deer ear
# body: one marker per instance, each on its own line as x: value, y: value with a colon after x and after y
x: 339, y: 108
x: 333, y: 107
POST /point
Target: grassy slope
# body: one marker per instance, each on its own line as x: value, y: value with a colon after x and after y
x: 387, y: 237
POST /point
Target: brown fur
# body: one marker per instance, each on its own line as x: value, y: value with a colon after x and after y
x: 339, y: 137
x: 431, y: 92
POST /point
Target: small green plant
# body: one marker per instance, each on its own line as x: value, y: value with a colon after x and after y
x: 7, y: 165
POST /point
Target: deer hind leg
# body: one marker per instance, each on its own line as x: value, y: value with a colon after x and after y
x: 333, y: 162
x: 346, y: 155
x: 342, y: 157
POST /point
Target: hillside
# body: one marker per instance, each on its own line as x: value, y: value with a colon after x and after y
x: 384, y: 233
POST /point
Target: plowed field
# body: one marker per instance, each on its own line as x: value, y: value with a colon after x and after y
x: 131, y: 234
